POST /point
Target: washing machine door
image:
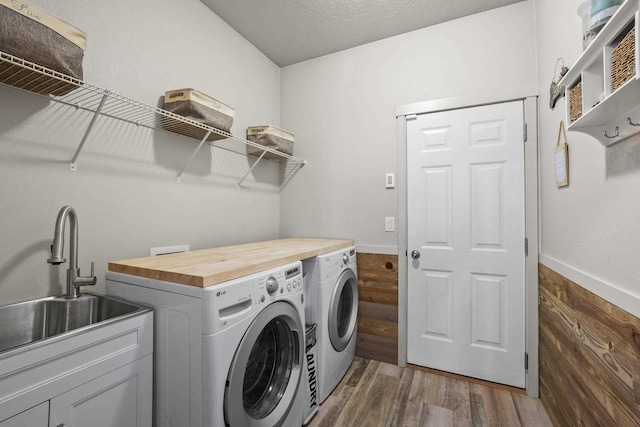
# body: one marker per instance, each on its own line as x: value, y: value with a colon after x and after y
x: 266, y: 370
x: 343, y: 310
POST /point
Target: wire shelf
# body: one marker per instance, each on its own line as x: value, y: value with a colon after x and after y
x: 67, y: 90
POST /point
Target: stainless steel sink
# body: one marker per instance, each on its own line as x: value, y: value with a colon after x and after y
x: 48, y: 318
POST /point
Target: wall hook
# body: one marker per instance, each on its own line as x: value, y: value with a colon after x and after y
x: 556, y: 91
x: 613, y: 136
x: 631, y: 123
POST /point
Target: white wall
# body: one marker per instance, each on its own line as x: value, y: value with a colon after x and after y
x: 342, y: 109
x: 591, y: 229
x: 125, y: 192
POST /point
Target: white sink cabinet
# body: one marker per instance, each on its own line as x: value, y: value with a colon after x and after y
x: 97, y: 377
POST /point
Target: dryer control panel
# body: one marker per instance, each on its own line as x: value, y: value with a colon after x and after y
x: 333, y: 263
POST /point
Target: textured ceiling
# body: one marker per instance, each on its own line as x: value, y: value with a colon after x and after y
x: 291, y: 31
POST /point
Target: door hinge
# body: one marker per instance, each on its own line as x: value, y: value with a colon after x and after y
x: 524, y: 132
x: 526, y: 246
x: 526, y: 360
x: 410, y: 117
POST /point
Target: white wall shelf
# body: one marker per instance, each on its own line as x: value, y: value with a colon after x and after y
x: 26, y: 75
x: 608, y: 115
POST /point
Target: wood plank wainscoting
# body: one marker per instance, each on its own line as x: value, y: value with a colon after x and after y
x: 589, y: 356
x: 378, y: 307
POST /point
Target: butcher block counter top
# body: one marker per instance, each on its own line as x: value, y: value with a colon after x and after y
x: 208, y: 267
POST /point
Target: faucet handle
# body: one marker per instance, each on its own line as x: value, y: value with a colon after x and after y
x: 85, y: 280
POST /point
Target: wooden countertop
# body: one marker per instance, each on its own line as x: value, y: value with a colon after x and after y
x: 208, y: 267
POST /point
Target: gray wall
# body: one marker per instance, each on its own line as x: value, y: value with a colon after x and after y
x: 125, y: 192
x: 342, y: 110
x: 590, y: 229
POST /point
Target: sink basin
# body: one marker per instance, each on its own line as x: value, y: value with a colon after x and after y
x: 47, y: 318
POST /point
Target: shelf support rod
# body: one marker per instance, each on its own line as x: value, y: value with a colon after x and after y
x: 290, y: 175
x: 73, y: 166
x: 251, y: 168
x: 193, y: 155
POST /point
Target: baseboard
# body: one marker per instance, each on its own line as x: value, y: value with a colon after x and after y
x: 467, y: 379
x: 377, y: 249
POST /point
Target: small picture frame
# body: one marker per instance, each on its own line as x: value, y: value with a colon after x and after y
x: 561, y: 154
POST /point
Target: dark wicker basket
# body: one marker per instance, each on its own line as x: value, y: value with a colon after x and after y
x: 575, y: 102
x: 623, y: 60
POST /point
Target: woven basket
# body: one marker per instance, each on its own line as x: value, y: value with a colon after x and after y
x: 623, y: 60
x: 575, y: 102
x: 272, y: 137
x: 34, y: 35
x: 198, y: 107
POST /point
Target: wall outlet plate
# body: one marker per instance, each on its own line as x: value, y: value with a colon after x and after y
x: 389, y: 223
x: 165, y: 250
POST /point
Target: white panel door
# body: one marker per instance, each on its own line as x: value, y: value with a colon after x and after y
x: 465, y: 171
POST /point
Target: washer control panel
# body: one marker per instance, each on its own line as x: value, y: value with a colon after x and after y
x: 229, y: 303
x: 287, y: 281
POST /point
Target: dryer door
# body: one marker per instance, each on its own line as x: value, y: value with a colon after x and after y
x: 266, y: 370
x: 343, y: 310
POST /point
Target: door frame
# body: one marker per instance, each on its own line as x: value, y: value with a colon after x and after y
x: 527, y: 94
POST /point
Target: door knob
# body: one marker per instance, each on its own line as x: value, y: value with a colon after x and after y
x: 415, y: 254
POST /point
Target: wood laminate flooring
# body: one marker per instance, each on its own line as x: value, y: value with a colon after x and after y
x: 375, y: 393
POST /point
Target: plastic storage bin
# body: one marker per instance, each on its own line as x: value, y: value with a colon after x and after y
x: 198, y: 107
x: 34, y: 35
x: 272, y: 137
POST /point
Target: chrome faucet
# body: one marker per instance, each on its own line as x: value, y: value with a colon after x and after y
x: 74, y: 280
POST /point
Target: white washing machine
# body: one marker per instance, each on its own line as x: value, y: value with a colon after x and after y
x: 331, y: 288
x: 230, y: 354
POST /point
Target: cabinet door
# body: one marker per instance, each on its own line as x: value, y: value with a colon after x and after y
x: 120, y: 398
x: 38, y: 416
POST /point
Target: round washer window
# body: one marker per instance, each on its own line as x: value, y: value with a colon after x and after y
x: 268, y: 369
x: 265, y: 372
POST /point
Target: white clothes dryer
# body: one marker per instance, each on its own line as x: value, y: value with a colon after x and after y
x: 230, y: 354
x: 331, y: 288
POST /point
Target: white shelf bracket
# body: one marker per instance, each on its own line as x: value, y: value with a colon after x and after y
x: 291, y: 173
x: 73, y: 167
x: 251, y: 168
x: 192, y: 156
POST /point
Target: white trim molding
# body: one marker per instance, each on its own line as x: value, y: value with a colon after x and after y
x: 507, y: 94
x: 621, y: 298
x: 377, y: 249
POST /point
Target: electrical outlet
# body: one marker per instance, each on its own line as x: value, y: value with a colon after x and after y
x: 389, y: 223
x: 165, y: 250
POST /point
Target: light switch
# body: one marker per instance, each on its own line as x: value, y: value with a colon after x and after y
x: 390, y: 180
